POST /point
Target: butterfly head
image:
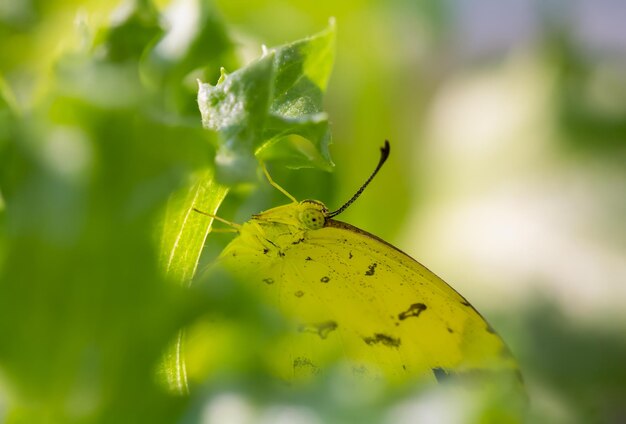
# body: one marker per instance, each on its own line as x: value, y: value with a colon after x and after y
x: 307, y: 215
x: 312, y: 214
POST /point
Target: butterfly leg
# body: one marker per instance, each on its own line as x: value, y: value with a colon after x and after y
x: 275, y: 185
x: 224, y: 230
x: 235, y: 227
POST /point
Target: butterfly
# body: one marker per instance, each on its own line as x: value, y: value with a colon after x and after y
x: 349, y: 295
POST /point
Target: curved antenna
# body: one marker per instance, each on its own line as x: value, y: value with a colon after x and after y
x: 384, y: 154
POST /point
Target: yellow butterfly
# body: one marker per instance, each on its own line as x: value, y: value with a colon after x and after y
x: 350, y: 295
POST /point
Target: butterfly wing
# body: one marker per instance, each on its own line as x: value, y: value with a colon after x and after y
x: 352, y: 296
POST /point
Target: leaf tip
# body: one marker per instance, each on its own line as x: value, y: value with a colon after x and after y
x: 223, y: 75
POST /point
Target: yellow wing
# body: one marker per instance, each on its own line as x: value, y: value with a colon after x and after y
x: 354, y: 297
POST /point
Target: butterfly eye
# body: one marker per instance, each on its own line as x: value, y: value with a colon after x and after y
x: 312, y: 218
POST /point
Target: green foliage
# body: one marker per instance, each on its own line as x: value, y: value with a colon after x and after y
x: 99, y: 174
x: 87, y: 169
x: 257, y: 106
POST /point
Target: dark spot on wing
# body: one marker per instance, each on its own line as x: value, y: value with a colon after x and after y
x: 268, y: 280
x: 360, y: 370
x: 414, y: 311
x: 450, y: 330
x: 299, y: 293
x: 324, y: 279
x: 371, y: 269
x: 302, y: 362
x: 476, y: 375
x: 265, y: 251
x: 350, y: 255
x: 440, y: 374
x: 322, y: 329
x: 300, y: 240
x: 404, y: 367
x: 384, y: 339
x: 325, y: 328
x: 469, y: 305
x: 234, y: 254
x: 281, y: 253
x: 308, y: 258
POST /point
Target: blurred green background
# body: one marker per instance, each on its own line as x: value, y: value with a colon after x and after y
x: 508, y: 129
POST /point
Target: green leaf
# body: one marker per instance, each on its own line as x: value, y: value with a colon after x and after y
x: 183, y: 235
x: 184, y: 230
x: 136, y: 26
x: 258, y: 109
x: 237, y: 108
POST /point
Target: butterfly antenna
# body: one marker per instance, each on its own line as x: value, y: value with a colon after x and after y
x: 384, y: 154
